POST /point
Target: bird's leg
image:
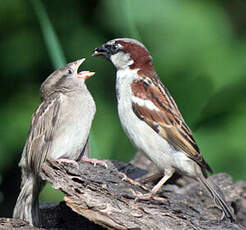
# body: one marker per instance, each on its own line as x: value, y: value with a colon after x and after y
x: 133, y: 182
x: 85, y: 156
x: 93, y: 161
x: 156, y: 188
x: 61, y: 160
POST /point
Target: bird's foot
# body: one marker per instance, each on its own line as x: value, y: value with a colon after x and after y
x: 93, y: 161
x: 133, y: 182
x: 148, y: 196
x: 64, y: 160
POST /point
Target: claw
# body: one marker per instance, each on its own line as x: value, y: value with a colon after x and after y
x: 133, y: 182
x: 148, y: 196
x: 94, y: 161
x: 64, y: 160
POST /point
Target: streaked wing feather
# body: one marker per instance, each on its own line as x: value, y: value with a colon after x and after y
x: 41, y: 132
x: 165, y: 118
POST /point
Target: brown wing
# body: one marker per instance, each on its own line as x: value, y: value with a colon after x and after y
x: 40, y: 134
x: 164, y: 117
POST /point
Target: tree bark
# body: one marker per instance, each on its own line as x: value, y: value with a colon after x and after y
x: 100, y: 199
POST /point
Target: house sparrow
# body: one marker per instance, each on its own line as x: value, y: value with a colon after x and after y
x: 151, y: 118
x: 59, y: 130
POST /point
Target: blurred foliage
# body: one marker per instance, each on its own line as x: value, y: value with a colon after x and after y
x: 199, y: 51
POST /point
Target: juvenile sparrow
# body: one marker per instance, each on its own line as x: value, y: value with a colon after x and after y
x: 59, y: 130
x: 151, y: 118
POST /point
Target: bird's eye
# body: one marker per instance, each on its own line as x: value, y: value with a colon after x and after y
x: 69, y: 71
x: 114, y: 48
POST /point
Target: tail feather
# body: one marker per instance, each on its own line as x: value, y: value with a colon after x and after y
x: 27, y: 204
x: 218, y: 197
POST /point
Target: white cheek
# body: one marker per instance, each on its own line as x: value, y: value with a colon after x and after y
x: 121, y: 60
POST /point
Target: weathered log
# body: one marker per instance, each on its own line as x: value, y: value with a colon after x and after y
x: 99, y: 194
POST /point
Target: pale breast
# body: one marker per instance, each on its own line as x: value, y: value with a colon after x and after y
x: 73, y: 127
x: 140, y: 133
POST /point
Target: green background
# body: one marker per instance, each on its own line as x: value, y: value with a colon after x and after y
x: 199, y: 51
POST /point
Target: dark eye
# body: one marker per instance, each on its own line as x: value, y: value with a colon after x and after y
x: 69, y: 71
x: 114, y: 48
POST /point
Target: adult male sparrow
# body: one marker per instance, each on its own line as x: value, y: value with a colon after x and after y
x: 59, y: 130
x: 151, y: 118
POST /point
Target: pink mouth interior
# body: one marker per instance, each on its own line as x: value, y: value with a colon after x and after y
x: 83, y: 72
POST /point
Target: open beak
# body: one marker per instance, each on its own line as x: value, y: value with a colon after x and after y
x: 78, y: 63
x: 82, y: 74
x: 102, y: 51
x: 85, y: 74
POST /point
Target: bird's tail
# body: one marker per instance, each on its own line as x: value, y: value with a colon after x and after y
x: 27, y: 204
x: 218, y: 197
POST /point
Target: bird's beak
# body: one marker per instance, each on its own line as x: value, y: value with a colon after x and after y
x: 83, y: 74
x: 78, y: 63
x: 102, y: 51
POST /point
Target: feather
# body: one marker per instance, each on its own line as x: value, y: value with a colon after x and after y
x: 164, y: 117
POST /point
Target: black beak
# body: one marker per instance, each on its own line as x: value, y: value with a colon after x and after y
x: 102, y: 51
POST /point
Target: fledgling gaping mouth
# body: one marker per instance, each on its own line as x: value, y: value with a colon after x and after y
x: 83, y: 74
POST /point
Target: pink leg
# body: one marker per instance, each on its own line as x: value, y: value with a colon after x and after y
x: 152, y: 194
x: 93, y: 161
x: 133, y: 182
x: 61, y: 160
